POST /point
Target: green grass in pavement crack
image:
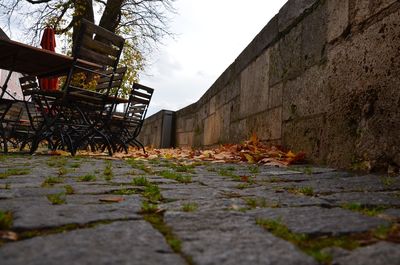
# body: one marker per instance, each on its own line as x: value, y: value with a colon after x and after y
x: 6, y: 220
x: 69, y: 189
x: 243, y: 186
x: 75, y: 165
x: 148, y: 208
x: 175, y: 176
x: 108, y: 173
x: 260, y: 202
x: 190, y: 207
x: 182, y: 167
x: 152, y: 193
x: 50, y: 181
x: 307, y: 191
x: 87, y: 178
x: 57, y: 199
x: 254, y: 169
x: 62, y: 171
x: 124, y: 192
x: 229, y: 172
x: 56, y: 161
x: 388, y: 181
x: 157, y: 221
x: 311, y: 246
x: 315, y: 245
x: 364, y: 209
x: 22, y: 235
x: 14, y: 172
x: 138, y: 164
x: 140, y: 181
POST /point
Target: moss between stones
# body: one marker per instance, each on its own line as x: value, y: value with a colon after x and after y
x: 6, y: 220
x: 176, y: 176
x: 108, y: 174
x: 364, y: 209
x: 14, y: 172
x: 157, y: 221
x: 57, y: 199
x: 139, y: 165
x: 50, y: 181
x: 314, y: 246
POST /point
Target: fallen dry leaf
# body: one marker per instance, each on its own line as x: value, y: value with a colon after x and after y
x: 252, y: 151
x: 111, y: 199
x: 8, y: 235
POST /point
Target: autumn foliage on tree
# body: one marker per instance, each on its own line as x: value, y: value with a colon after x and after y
x: 143, y: 23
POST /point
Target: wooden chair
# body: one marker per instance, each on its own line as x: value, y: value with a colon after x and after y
x: 74, y: 117
x: 125, y: 128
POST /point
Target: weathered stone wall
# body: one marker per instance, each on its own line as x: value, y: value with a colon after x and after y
x: 159, y: 130
x: 323, y: 77
x: 151, y: 132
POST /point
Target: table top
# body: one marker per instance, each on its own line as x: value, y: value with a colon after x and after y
x: 26, y: 59
x: 81, y: 95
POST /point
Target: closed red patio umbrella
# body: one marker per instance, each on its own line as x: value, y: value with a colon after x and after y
x: 48, y: 43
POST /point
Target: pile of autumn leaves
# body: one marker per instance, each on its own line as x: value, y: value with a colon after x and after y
x: 252, y: 151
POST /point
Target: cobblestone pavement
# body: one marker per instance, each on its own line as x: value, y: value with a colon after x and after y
x: 87, y: 210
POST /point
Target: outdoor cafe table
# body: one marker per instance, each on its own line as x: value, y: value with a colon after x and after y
x: 26, y: 59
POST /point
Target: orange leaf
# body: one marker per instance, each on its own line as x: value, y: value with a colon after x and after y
x: 8, y: 235
x: 290, y: 154
x: 254, y: 139
x: 249, y: 158
x: 244, y: 178
x: 111, y: 199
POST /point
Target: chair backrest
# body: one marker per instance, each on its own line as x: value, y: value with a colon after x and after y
x: 34, y: 103
x: 28, y: 84
x: 138, y: 105
x: 110, y: 79
x: 98, y: 45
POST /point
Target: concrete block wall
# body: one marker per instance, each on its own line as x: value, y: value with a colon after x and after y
x: 322, y: 77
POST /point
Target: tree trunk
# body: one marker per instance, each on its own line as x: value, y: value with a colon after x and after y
x: 111, y: 15
x: 83, y: 9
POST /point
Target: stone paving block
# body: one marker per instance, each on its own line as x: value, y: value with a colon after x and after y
x: 37, y: 212
x: 371, y: 183
x: 382, y: 253
x: 364, y: 198
x: 321, y: 221
x: 187, y: 191
x: 302, y: 177
x: 132, y: 242
x: 231, y: 238
x: 203, y: 205
x: 29, y: 192
x: 393, y: 214
x: 282, y: 199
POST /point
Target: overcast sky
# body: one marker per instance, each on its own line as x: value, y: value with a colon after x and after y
x: 210, y: 35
